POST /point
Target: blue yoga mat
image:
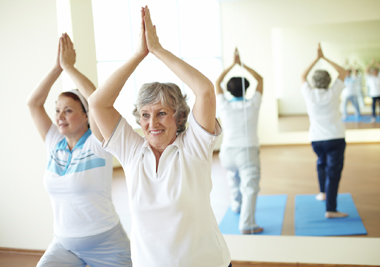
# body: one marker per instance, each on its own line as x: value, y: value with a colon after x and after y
x: 270, y: 211
x: 310, y: 217
x: 362, y: 119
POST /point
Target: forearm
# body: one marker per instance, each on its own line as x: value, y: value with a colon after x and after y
x: 306, y: 72
x: 195, y: 80
x: 257, y: 76
x: 220, y: 79
x: 105, y: 96
x: 84, y: 85
x: 39, y: 95
x: 339, y: 69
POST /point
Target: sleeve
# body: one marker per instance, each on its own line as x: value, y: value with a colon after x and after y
x: 198, y: 142
x: 338, y: 86
x: 305, y: 88
x: 256, y: 100
x: 96, y: 146
x: 52, y: 137
x: 124, y: 142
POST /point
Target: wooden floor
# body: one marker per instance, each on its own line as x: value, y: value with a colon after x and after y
x: 285, y: 170
x: 300, y: 123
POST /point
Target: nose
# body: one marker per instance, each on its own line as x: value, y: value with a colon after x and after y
x: 60, y: 115
x: 153, y: 122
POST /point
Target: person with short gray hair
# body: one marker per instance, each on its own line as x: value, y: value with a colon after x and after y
x: 326, y: 131
x: 168, y: 172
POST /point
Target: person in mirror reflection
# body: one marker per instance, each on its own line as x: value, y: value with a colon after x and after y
x: 168, y: 172
x: 326, y: 130
x: 239, y: 152
x: 373, y: 84
x: 87, y: 229
x: 350, y: 94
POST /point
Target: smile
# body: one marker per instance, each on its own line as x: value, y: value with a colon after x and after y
x: 156, y: 131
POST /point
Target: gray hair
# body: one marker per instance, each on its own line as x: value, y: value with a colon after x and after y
x: 169, y: 95
x: 321, y: 79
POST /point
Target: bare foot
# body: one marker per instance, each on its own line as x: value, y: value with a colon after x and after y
x: 321, y: 196
x: 254, y: 231
x: 335, y: 214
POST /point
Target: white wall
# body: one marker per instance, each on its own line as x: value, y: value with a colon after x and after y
x: 28, y: 44
x: 249, y: 25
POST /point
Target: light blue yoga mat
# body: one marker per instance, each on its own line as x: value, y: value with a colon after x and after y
x: 270, y: 211
x: 310, y: 217
x: 362, y: 119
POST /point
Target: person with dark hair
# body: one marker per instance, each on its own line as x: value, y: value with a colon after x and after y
x: 239, y: 153
x: 87, y: 229
x: 373, y: 84
x: 168, y: 172
x: 326, y: 130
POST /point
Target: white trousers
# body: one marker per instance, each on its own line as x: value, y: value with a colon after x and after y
x: 110, y: 248
x: 243, y: 165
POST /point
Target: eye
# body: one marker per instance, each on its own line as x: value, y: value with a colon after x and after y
x: 162, y: 113
x: 145, y: 115
x: 57, y: 111
x: 68, y: 110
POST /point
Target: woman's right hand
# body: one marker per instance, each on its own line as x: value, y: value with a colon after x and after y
x: 142, y: 49
x: 57, y: 65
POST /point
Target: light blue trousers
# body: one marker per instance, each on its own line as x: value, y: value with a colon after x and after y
x: 354, y: 101
x: 243, y: 165
x: 110, y: 248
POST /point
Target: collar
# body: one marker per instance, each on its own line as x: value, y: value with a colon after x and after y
x: 237, y: 99
x: 62, y: 145
x: 175, y: 143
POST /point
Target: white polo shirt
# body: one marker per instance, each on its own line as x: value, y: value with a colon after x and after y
x: 239, y: 119
x: 373, y: 83
x: 323, y: 110
x: 172, y: 220
x: 79, y: 185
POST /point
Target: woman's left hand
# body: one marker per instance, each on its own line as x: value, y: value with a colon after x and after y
x: 152, y: 41
x: 67, y: 52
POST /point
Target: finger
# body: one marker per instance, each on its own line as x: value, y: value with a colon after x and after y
x: 69, y: 42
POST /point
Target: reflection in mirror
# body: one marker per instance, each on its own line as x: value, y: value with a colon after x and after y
x: 352, y: 45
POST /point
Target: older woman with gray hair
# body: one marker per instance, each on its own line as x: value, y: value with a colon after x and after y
x: 169, y: 171
x: 326, y: 131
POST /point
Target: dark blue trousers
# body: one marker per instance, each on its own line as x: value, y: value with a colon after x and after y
x: 374, y: 100
x: 329, y: 166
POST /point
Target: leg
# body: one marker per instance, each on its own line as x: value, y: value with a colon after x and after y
x: 355, y: 103
x: 373, y: 109
x: 110, y: 248
x: 335, y: 159
x: 378, y: 101
x: 249, y: 170
x: 227, y: 160
x: 234, y: 183
x: 321, y: 168
x: 57, y: 256
x: 345, y: 102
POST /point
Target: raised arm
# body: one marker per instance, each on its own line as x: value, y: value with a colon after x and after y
x: 339, y: 69
x: 38, y: 98
x: 369, y: 66
x: 259, y: 79
x: 221, y: 77
x: 102, y: 100
x: 308, y: 69
x: 205, y: 103
x: 84, y: 85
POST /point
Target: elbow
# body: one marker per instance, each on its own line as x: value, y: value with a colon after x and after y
x: 93, y: 103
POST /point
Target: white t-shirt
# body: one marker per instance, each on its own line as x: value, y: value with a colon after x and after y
x: 323, y: 110
x: 172, y: 220
x: 239, y: 125
x: 373, y: 83
x: 79, y: 185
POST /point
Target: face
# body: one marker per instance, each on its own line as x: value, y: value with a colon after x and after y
x: 69, y: 117
x: 348, y: 73
x: 158, y: 125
